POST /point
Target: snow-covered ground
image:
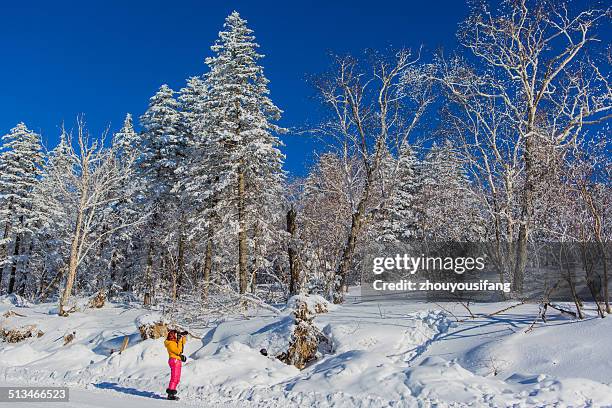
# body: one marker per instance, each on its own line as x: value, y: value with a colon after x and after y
x: 385, y: 353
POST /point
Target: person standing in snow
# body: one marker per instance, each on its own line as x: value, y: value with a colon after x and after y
x: 175, y: 341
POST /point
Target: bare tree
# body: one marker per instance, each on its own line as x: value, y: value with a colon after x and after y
x: 589, y: 176
x: 93, y: 185
x: 535, y: 81
x: 373, y: 104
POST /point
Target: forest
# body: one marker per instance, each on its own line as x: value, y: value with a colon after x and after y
x: 504, y: 141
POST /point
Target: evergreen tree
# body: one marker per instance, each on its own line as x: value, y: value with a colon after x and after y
x: 161, y: 144
x: 193, y: 179
x: 126, y: 141
x: 120, y: 260
x: 191, y: 99
x: 450, y: 208
x: 162, y: 153
x: 21, y: 161
x: 53, y: 199
x: 244, y: 154
x: 399, y: 218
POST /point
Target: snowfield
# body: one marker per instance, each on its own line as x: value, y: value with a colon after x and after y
x: 385, y: 353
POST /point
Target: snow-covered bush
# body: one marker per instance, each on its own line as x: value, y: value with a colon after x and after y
x: 97, y: 301
x: 315, y: 303
x: 307, y: 341
x: 152, y: 325
x: 17, y: 334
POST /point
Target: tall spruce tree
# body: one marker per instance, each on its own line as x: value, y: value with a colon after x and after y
x: 161, y: 144
x: 21, y: 161
x: 451, y: 210
x: 54, y: 199
x: 399, y: 217
x: 162, y: 152
x: 126, y: 141
x: 244, y: 154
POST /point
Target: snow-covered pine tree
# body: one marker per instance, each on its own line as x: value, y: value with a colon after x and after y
x: 126, y: 141
x: 194, y: 180
x: 162, y: 153
x: 399, y: 217
x: 161, y: 143
x: 449, y: 204
x: 191, y: 99
x: 21, y: 162
x: 245, y: 154
x: 121, y: 258
x: 54, y: 201
x: 193, y: 177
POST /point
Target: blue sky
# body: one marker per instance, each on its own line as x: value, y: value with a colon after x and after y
x: 106, y: 58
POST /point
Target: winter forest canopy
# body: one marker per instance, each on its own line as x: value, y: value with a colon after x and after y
x: 196, y: 204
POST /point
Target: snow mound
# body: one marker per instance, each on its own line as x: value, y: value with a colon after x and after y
x: 561, y: 348
x: 151, y: 318
x: 370, y: 357
x: 438, y: 380
x: 271, y: 333
x: 15, y: 300
x: 315, y: 303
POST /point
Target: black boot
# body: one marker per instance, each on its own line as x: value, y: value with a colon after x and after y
x: 172, y: 394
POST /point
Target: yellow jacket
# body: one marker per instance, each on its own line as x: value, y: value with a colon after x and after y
x: 175, y: 348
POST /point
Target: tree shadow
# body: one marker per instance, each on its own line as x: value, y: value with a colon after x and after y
x: 126, y: 390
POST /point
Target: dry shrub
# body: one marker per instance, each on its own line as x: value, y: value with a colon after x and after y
x: 21, y: 333
x: 69, y: 337
x: 320, y: 308
x: 306, y: 339
x: 12, y: 313
x: 153, y: 331
x: 97, y: 302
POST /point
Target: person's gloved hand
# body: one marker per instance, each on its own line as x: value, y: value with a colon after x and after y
x: 183, y: 358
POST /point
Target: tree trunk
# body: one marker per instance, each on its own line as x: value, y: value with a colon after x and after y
x: 54, y: 282
x: 243, y: 276
x: 294, y: 267
x: 588, y: 266
x: 23, y: 276
x: 207, y: 263
x: 174, y: 277
x: 113, y: 273
x: 148, y: 275
x: 4, y: 250
x: 73, y: 263
x: 181, y: 263
x: 341, y: 284
x: 572, y: 285
x: 254, y: 281
x: 526, y: 215
x: 126, y: 285
x: 11, y: 284
x: 604, y: 288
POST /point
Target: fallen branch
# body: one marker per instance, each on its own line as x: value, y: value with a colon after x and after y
x: 541, y: 315
x: 257, y: 301
x: 562, y: 310
x: 505, y: 309
x: 466, y: 306
x: 126, y: 341
x: 12, y: 313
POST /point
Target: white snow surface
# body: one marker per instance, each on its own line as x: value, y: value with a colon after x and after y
x: 385, y: 353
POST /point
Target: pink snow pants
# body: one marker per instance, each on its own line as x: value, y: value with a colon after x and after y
x: 175, y: 372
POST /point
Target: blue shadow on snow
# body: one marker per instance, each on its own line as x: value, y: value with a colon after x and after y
x: 126, y: 390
